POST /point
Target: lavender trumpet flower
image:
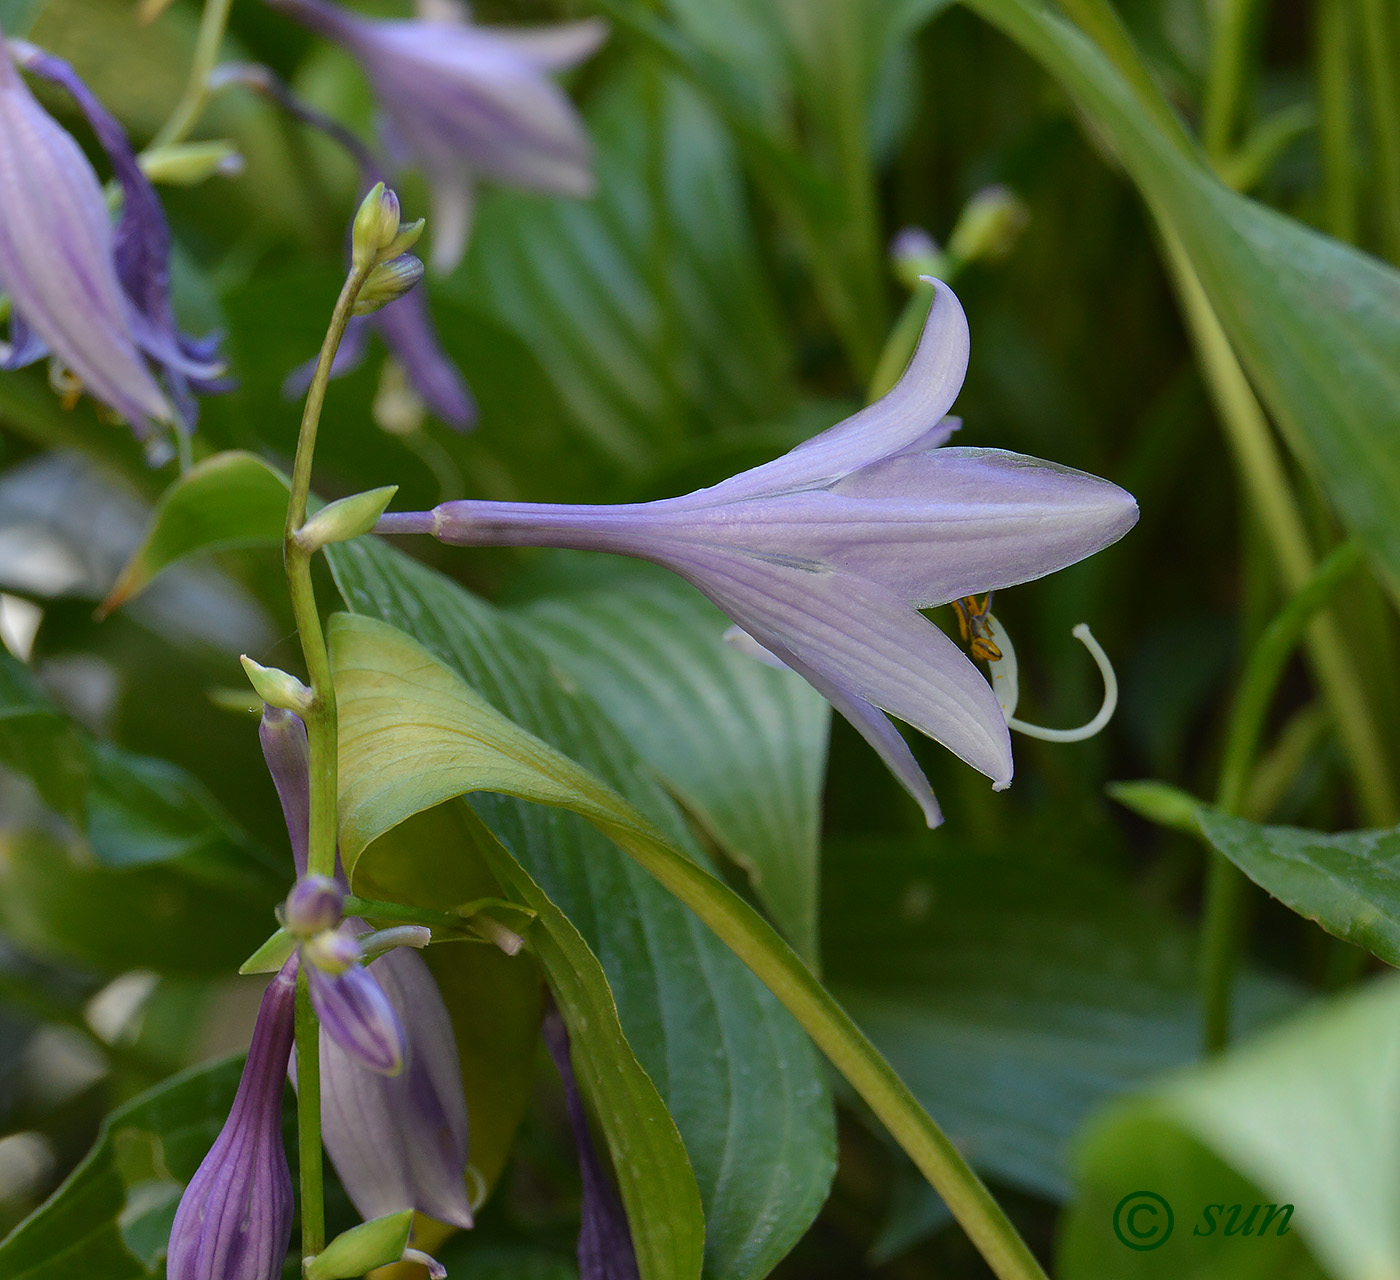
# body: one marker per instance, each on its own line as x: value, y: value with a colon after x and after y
x: 235, y: 1218
x: 397, y: 1142
x: 467, y: 101
x: 825, y: 556
x: 60, y: 259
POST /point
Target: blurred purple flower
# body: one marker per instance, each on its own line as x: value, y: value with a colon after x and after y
x: 397, y: 1142
x: 57, y: 260
x: 605, y: 1250
x: 404, y: 326
x: 466, y: 101
x: 825, y: 555
x: 138, y: 251
x: 235, y: 1218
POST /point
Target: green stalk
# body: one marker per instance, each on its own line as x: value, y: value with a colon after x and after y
x: 1379, y: 47
x: 1230, y: 38
x: 212, y: 26
x: 1336, y: 126
x: 320, y: 720
x: 1221, y: 923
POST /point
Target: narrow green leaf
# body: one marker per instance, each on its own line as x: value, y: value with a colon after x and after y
x: 231, y: 500
x: 1316, y: 322
x: 102, y: 1221
x: 272, y: 955
x: 1299, y: 1114
x: 1159, y: 802
x: 755, y: 1115
x: 741, y: 745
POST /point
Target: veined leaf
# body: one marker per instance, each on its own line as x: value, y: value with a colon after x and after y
x: 741, y: 745
x: 755, y: 1117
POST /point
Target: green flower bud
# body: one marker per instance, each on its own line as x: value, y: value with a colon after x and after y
x: 376, y: 225
x: 278, y: 688
x: 989, y: 225
x: 186, y: 164
x: 345, y: 519
x: 361, y: 1249
x: 388, y: 281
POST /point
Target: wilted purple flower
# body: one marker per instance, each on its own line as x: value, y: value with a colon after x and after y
x: 605, y: 1250
x: 56, y: 260
x: 138, y: 251
x: 825, y: 555
x: 397, y: 1142
x: 469, y: 101
x: 400, y: 1142
x: 235, y: 1218
x: 353, y: 1010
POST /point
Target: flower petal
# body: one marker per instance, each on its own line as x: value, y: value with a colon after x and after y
x: 912, y: 411
x: 235, y: 1217
x: 408, y: 333
x: 288, y: 755
x: 861, y: 638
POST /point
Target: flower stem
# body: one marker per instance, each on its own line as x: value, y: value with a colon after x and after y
x: 1221, y: 922
x: 206, y: 53
x: 1336, y: 127
x: 1231, y: 30
x: 308, y: 1047
x: 1378, y: 43
x: 320, y: 720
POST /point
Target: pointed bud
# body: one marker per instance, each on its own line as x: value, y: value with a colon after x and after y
x: 409, y: 235
x: 357, y: 1015
x: 186, y: 164
x: 388, y: 282
x: 288, y: 756
x: 361, y: 1249
x: 235, y: 1218
x: 376, y: 224
x: 346, y: 518
x: 989, y: 225
x: 315, y: 904
x: 278, y: 688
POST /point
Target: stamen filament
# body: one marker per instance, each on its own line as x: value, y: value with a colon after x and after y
x: 1006, y: 685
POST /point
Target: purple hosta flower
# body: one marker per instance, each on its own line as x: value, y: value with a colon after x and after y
x: 98, y: 299
x: 397, y: 1142
x: 467, y: 101
x: 235, y: 1218
x: 605, y: 1250
x: 826, y: 555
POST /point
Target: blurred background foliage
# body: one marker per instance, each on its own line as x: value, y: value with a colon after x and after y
x: 727, y: 294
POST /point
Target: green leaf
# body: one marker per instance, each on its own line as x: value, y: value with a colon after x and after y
x: 1300, y: 1114
x: 653, y: 1172
x: 17, y: 16
x: 741, y: 745
x: 375, y: 1243
x: 1015, y: 994
x: 648, y: 306
x: 1349, y: 883
x: 111, y: 1217
x: 39, y: 741
x: 755, y: 1118
x: 230, y: 500
x: 1316, y: 323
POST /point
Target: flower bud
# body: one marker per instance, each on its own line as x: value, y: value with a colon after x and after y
x: 277, y: 688
x: 376, y: 224
x: 915, y: 253
x: 357, y: 1015
x: 235, y: 1218
x: 387, y: 282
x: 288, y: 755
x: 315, y: 904
x: 372, y: 1244
x: 989, y: 225
x: 186, y: 164
x: 346, y: 518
